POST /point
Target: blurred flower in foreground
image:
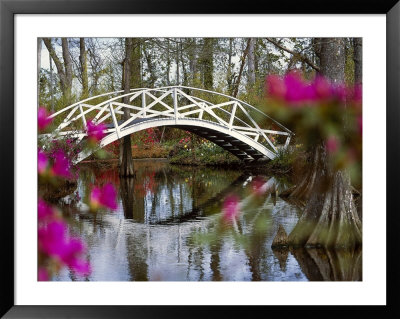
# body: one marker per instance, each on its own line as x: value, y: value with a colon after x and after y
x: 42, y: 162
x: 62, y: 165
x: 43, y: 118
x: 231, y: 208
x: 44, y: 210
x: 43, y: 274
x: 296, y: 91
x: 54, y: 242
x: 55, y: 245
x: 95, y: 132
x: 103, y: 197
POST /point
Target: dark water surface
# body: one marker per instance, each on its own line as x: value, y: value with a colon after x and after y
x: 169, y: 226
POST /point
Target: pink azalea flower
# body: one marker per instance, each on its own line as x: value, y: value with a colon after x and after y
x: 295, y: 88
x: 43, y: 118
x: 54, y: 242
x: 61, y: 166
x: 42, y: 161
x: 80, y: 267
x: 104, y: 197
x: 231, y: 207
x: 43, y: 274
x: 276, y: 87
x: 296, y: 91
x: 322, y: 88
x: 95, y: 132
x: 52, y: 238
x: 44, y: 210
x: 332, y: 144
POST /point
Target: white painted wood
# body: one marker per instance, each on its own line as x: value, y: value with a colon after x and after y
x: 187, y: 111
x: 232, y: 115
x: 83, y: 117
x: 117, y: 130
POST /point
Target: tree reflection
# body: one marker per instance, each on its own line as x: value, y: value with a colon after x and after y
x: 126, y: 190
x: 321, y: 264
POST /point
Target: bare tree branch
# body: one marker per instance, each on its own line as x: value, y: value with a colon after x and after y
x: 298, y: 55
x: 237, y: 83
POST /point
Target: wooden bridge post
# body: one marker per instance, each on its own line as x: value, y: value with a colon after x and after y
x: 144, y: 103
x: 175, y: 98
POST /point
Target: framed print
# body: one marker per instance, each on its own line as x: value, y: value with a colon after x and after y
x: 181, y: 158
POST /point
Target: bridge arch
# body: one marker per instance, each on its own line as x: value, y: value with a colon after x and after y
x: 224, y: 120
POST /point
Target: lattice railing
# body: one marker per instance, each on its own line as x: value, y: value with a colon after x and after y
x: 174, y: 103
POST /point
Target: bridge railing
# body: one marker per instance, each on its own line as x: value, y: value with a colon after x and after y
x: 172, y: 102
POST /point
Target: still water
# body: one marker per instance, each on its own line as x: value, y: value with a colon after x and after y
x: 169, y: 227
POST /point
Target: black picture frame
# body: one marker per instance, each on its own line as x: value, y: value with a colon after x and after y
x: 8, y: 10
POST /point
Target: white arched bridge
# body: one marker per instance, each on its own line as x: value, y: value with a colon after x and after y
x: 221, y: 119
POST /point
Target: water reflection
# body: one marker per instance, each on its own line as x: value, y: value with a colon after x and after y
x: 169, y: 226
x: 320, y: 264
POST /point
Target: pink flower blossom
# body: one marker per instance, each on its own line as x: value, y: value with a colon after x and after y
x: 296, y: 91
x: 43, y: 274
x: 44, y: 210
x: 61, y: 166
x: 52, y: 238
x: 276, y: 87
x: 80, y: 266
x: 95, y: 132
x: 322, y: 88
x: 104, y: 197
x: 43, y: 118
x: 54, y: 242
x: 296, y: 88
x: 332, y: 144
x: 231, y: 207
x: 42, y: 161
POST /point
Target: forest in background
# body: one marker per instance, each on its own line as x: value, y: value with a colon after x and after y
x: 71, y: 69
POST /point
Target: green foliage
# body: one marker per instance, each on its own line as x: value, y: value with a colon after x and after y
x: 204, y: 153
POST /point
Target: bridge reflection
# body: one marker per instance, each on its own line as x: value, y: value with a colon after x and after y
x: 168, y: 227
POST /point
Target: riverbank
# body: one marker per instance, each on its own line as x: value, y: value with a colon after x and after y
x: 203, y: 155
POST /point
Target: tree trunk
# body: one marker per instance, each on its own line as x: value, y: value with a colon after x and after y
x: 251, y: 72
x: 68, y: 71
x: 229, y: 78
x: 237, y: 83
x: 84, y: 71
x: 64, y: 70
x: 134, y: 64
x: 168, y: 64
x: 330, y: 217
x: 150, y: 66
x: 357, y: 57
x: 184, y: 72
x: 333, y: 59
x: 177, y: 63
x: 193, y: 59
x: 51, y: 83
x: 126, y: 160
x: 208, y: 63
